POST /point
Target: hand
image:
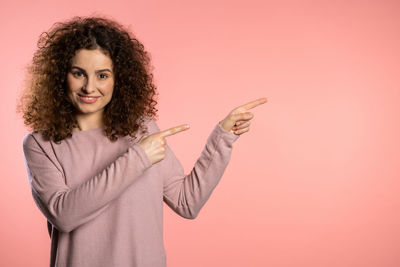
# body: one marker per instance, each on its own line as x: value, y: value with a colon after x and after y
x: 154, y: 144
x: 238, y: 120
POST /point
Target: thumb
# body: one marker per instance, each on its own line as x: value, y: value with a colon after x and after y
x: 143, y: 137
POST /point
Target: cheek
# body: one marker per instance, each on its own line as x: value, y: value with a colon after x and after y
x: 70, y: 95
x: 107, y: 88
x: 73, y: 84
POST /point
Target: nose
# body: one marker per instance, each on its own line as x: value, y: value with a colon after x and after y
x: 89, y: 86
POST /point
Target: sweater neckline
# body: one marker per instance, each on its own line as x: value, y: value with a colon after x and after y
x: 88, y: 131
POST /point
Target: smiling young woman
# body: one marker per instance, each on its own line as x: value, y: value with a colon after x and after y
x: 101, y: 191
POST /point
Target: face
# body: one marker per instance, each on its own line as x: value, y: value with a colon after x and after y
x: 90, y: 82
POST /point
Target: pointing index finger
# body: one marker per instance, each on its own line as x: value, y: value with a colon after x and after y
x: 254, y: 103
x: 174, y: 130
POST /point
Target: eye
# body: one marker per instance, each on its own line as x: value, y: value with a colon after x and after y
x: 77, y: 73
x: 103, y: 75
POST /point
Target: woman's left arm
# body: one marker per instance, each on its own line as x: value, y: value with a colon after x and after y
x: 187, y: 194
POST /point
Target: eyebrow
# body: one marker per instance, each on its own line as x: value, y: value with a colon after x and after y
x: 97, y: 71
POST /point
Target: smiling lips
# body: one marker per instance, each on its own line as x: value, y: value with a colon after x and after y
x: 88, y: 99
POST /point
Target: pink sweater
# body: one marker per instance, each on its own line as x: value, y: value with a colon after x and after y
x: 103, y: 200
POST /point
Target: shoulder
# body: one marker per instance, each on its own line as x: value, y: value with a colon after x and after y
x: 29, y: 140
x: 34, y: 140
x: 148, y: 126
x: 31, y: 147
x: 151, y: 125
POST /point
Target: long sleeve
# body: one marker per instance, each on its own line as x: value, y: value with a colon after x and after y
x: 187, y: 194
x: 68, y: 208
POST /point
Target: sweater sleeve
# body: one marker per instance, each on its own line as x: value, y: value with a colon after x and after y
x: 187, y: 194
x: 68, y: 208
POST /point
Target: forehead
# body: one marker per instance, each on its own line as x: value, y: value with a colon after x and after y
x: 86, y: 58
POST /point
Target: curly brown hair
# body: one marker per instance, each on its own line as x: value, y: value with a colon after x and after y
x: 44, y: 102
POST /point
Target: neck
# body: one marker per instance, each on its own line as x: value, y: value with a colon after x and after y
x: 88, y: 121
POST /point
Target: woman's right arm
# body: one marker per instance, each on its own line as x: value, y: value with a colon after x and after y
x: 68, y: 208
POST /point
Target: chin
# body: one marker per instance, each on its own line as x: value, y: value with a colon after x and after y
x: 86, y: 110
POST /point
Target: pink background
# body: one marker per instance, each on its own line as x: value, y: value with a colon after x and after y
x: 315, y: 182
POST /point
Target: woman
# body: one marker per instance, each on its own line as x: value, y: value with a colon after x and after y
x: 90, y: 91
